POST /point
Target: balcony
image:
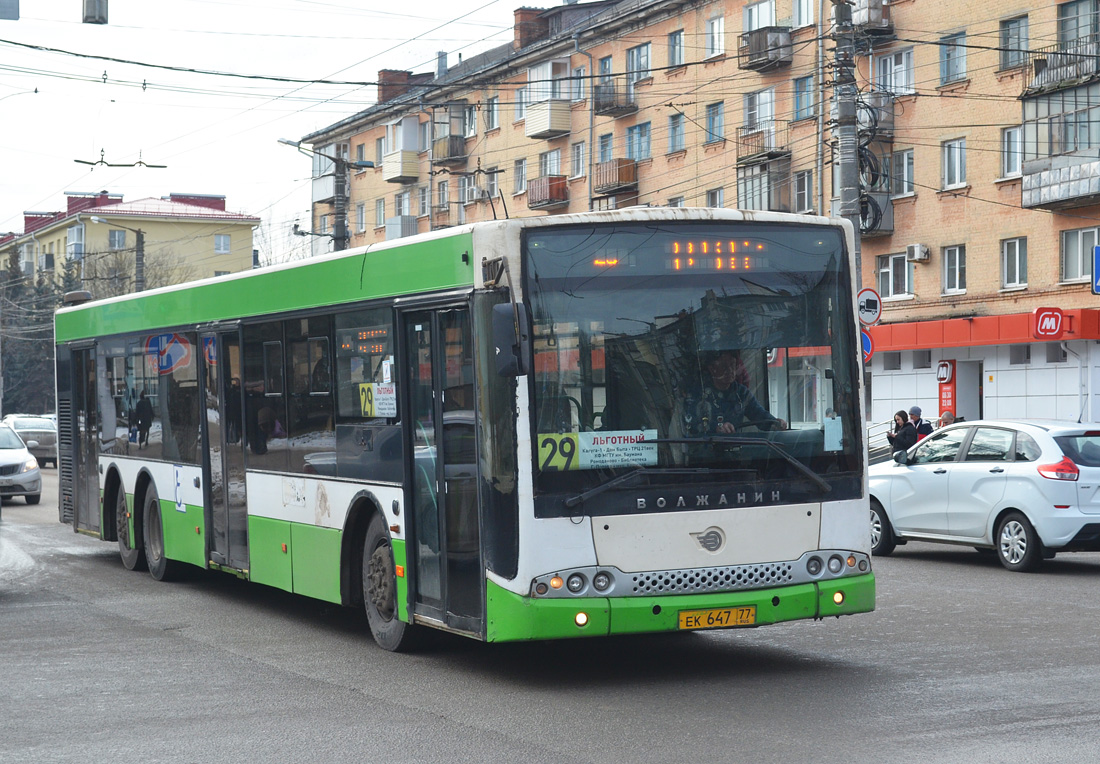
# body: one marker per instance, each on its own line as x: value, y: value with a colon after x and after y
x: 1060, y: 182
x: 765, y: 140
x: 400, y: 167
x: 765, y: 186
x: 765, y: 49
x: 1066, y: 64
x: 547, y: 192
x: 615, y: 176
x: 614, y: 98
x: 400, y: 226
x: 449, y: 150
x: 872, y: 17
x: 548, y: 119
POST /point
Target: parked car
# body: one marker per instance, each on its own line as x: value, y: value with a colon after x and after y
x: 39, y: 429
x: 1024, y: 489
x: 19, y: 475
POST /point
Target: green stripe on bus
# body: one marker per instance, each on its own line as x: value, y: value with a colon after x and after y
x: 315, y: 561
x: 184, y: 539
x: 385, y: 272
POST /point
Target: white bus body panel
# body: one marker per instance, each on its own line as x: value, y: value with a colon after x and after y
x: 316, y: 501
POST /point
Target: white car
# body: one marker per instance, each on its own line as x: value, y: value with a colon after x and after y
x: 19, y: 475
x: 1025, y: 489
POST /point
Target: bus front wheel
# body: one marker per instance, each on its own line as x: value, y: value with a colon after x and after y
x: 161, y: 568
x: 380, y: 590
x: 131, y: 548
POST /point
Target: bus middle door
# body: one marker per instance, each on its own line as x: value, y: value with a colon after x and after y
x: 442, y: 491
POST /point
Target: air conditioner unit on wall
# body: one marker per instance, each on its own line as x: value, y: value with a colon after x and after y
x: 916, y: 253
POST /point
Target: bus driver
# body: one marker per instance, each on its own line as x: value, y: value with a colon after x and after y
x: 726, y: 405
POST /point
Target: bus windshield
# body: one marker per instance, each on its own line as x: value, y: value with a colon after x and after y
x: 691, y: 365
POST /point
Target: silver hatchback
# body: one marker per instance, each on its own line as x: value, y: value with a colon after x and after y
x: 41, y: 430
x: 1026, y: 490
x: 19, y: 475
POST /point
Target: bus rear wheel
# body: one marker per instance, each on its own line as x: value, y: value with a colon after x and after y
x: 130, y: 547
x: 160, y: 567
x: 380, y: 590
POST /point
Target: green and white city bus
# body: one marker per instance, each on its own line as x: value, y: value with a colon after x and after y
x: 507, y: 430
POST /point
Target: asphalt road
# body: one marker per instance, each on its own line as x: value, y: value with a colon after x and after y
x: 962, y: 662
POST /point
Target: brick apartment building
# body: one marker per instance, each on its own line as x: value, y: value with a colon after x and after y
x: 980, y: 164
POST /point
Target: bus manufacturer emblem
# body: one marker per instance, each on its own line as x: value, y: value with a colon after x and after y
x: 712, y: 539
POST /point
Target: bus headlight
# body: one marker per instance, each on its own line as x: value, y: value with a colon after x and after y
x: 601, y: 581
x: 575, y: 583
x: 836, y: 564
x: 813, y: 566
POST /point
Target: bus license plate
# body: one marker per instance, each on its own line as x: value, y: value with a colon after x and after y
x: 718, y: 618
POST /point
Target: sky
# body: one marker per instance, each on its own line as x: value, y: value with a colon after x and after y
x: 216, y: 134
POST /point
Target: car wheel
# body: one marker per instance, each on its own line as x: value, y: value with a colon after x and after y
x: 33, y: 498
x: 380, y: 591
x: 882, y: 535
x: 160, y: 567
x: 1018, y: 546
x: 131, y: 547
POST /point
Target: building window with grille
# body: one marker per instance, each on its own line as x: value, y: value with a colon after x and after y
x: 577, y: 168
x: 895, y: 276
x: 675, y: 132
x: 803, y: 191
x: 954, y: 163
x: 676, y: 48
x: 1014, y: 263
x: 1077, y: 253
x: 116, y: 239
x: 1014, y: 42
x: 715, y: 37
x: 954, y: 269
x: 952, y: 58
x: 519, y: 176
x: 1011, y: 153
x: 716, y: 122
x: 221, y: 243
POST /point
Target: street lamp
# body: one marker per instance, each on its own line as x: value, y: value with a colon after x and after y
x: 339, y: 192
x: 139, y: 262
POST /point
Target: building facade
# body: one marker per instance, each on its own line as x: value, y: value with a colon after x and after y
x: 979, y: 163
x: 185, y: 237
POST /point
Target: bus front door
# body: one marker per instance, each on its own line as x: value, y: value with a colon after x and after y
x: 445, y: 544
x: 227, y: 513
x: 86, y: 510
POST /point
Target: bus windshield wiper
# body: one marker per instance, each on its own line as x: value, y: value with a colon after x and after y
x: 573, y: 501
x: 734, y: 440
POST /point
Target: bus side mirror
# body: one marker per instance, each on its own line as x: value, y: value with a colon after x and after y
x: 511, y: 343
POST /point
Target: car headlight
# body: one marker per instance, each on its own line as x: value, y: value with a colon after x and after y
x: 30, y: 464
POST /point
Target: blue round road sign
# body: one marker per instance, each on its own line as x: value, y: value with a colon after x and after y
x: 868, y: 345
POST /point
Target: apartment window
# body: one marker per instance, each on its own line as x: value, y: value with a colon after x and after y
x: 676, y: 201
x: 443, y: 195
x: 716, y: 197
x: 803, y: 191
x: 954, y: 163
x: 1014, y: 42
x: 1077, y: 253
x: 954, y: 269
x: 605, y: 69
x: 361, y: 217
x: 637, y: 63
x: 1077, y: 21
x: 891, y: 360
x: 401, y: 204
x: 676, y: 48
x: 637, y: 141
x: 360, y: 152
x: 952, y: 58
x: 1011, y: 152
x: 1019, y: 354
x: 379, y: 150
x: 803, y: 12
x: 675, y: 132
x: 895, y: 275
x: 580, y: 75
x: 752, y: 187
x: 606, y: 144
x: 759, y: 15
x: 577, y: 168
x: 469, y: 121
x: 895, y: 72
x: 491, y: 184
x: 519, y: 176
x: 922, y: 359
x: 716, y: 130
x: 550, y: 163
x: 221, y: 243
x: 379, y: 213
x: 715, y: 36
x: 423, y: 200
x: 803, y: 98
x: 759, y: 108
x: 901, y: 172
x: 467, y: 191
x: 423, y: 136
x: 1055, y: 352
x: 492, y: 113
x: 116, y: 239
x: 521, y: 103
x: 1014, y: 262
x: 322, y: 224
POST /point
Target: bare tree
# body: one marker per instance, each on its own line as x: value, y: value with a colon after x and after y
x: 111, y: 273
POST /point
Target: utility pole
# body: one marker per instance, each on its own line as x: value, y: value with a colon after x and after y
x: 139, y: 262
x: 340, y: 204
x: 847, y: 129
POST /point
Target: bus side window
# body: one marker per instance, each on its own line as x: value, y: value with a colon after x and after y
x: 264, y: 399
x: 312, y: 438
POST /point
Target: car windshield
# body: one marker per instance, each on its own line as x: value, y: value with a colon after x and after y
x: 33, y: 424
x: 676, y: 349
x: 8, y: 438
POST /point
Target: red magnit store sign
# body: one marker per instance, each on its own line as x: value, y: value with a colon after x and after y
x: 1048, y: 324
x: 1040, y: 325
